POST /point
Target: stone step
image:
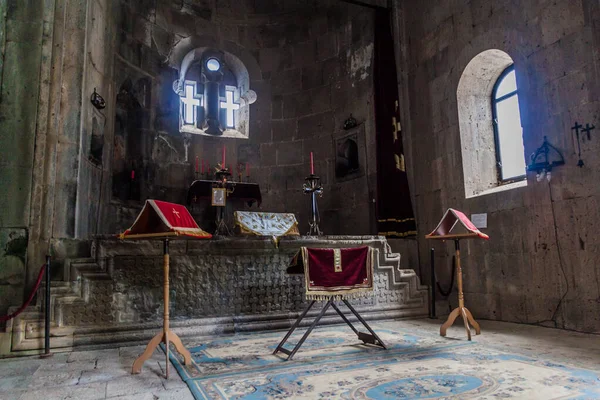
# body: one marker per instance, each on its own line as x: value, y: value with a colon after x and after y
x: 69, y: 300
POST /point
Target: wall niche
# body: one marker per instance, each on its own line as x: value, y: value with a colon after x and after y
x: 131, y: 136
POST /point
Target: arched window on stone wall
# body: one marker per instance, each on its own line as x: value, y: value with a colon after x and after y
x: 214, y: 94
x: 490, y: 125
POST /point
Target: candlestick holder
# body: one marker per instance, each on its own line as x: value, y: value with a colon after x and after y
x: 222, y: 181
x: 313, y: 187
x: 222, y: 175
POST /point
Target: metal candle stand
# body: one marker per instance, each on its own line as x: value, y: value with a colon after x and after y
x: 221, y: 178
x: 313, y: 186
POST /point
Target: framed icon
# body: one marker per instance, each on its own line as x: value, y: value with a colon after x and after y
x: 219, y: 196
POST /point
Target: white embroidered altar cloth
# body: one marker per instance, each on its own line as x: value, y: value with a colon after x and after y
x: 267, y: 224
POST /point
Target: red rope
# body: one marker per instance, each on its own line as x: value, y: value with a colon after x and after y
x: 33, y: 292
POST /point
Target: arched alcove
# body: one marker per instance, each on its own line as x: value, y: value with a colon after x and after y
x: 475, y: 117
x: 214, y: 87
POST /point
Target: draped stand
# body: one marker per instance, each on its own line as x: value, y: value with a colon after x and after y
x: 333, y: 274
x: 166, y: 336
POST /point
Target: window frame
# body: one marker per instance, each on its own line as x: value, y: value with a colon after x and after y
x: 495, y: 101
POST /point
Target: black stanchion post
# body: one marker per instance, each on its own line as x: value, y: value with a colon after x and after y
x: 47, y: 311
x: 432, y: 308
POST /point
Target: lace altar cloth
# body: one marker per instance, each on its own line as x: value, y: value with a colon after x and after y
x: 266, y: 224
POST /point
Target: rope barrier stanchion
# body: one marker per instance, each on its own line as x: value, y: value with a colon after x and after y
x: 47, y: 312
x: 5, y: 318
x: 45, y: 269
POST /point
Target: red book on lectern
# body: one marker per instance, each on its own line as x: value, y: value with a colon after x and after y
x: 449, y: 221
x: 161, y: 218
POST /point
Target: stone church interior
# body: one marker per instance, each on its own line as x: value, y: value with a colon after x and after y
x: 268, y: 199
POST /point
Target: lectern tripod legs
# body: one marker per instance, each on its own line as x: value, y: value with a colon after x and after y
x: 461, y: 309
x: 166, y: 335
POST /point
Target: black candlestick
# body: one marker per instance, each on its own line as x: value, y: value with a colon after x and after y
x: 313, y: 186
x: 222, y: 181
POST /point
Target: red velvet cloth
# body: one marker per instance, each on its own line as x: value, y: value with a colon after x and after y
x: 176, y: 215
x: 449, y: 221
x: 355, y: 276
x: 160, y: 217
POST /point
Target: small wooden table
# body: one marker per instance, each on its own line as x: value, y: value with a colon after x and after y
x: 461, y: 309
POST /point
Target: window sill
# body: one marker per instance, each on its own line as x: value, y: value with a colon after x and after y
x: 228, y: 133
x: 501, y: 188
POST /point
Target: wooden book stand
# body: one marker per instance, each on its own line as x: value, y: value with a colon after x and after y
x: 461, y: 309
x: 162, y: 220
x: 167, y: 335
x: 451, y: 219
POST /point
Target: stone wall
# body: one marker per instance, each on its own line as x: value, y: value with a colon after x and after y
x: 310, y: 65
x: 21, y: 35
x: 541, y: 263
x: 61, y: 177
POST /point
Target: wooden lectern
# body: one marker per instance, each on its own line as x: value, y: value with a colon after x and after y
x: 443, y: 231
x: 162, y: 220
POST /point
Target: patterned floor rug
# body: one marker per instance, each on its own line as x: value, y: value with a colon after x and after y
x: 333, y: 364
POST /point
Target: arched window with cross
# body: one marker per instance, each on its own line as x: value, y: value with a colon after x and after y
x: 211, y: 96
x: 213, y: 88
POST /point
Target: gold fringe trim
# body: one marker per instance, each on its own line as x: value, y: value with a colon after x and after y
x: 394, y: 233
x: 339, y: 297
x: 395, y: 220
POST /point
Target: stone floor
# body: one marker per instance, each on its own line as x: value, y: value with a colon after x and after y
x: 105, y: 374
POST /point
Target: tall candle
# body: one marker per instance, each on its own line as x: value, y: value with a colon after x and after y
x: 132, y: 174
x: 312, y: 164
x: 223, y: 158
x: 196, y: 163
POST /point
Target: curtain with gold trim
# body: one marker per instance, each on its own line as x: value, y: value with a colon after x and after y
x: 395, y: 216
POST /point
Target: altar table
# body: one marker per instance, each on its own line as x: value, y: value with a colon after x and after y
x: 202, y: 190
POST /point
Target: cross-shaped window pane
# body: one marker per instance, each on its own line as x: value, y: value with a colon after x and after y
x: 230, y: 107
x: 190, y: 103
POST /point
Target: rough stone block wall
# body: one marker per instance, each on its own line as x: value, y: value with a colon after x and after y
x: 21, y: 29
x: 541, y: 264
x: 314, y: 70
x: 61, y: 168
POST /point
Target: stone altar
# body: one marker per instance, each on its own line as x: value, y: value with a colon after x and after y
x: 224, y: 285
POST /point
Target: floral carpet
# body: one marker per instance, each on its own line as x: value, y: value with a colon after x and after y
x: 333, y: 363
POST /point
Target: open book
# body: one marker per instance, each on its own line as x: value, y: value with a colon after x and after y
x: 455, y: 219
